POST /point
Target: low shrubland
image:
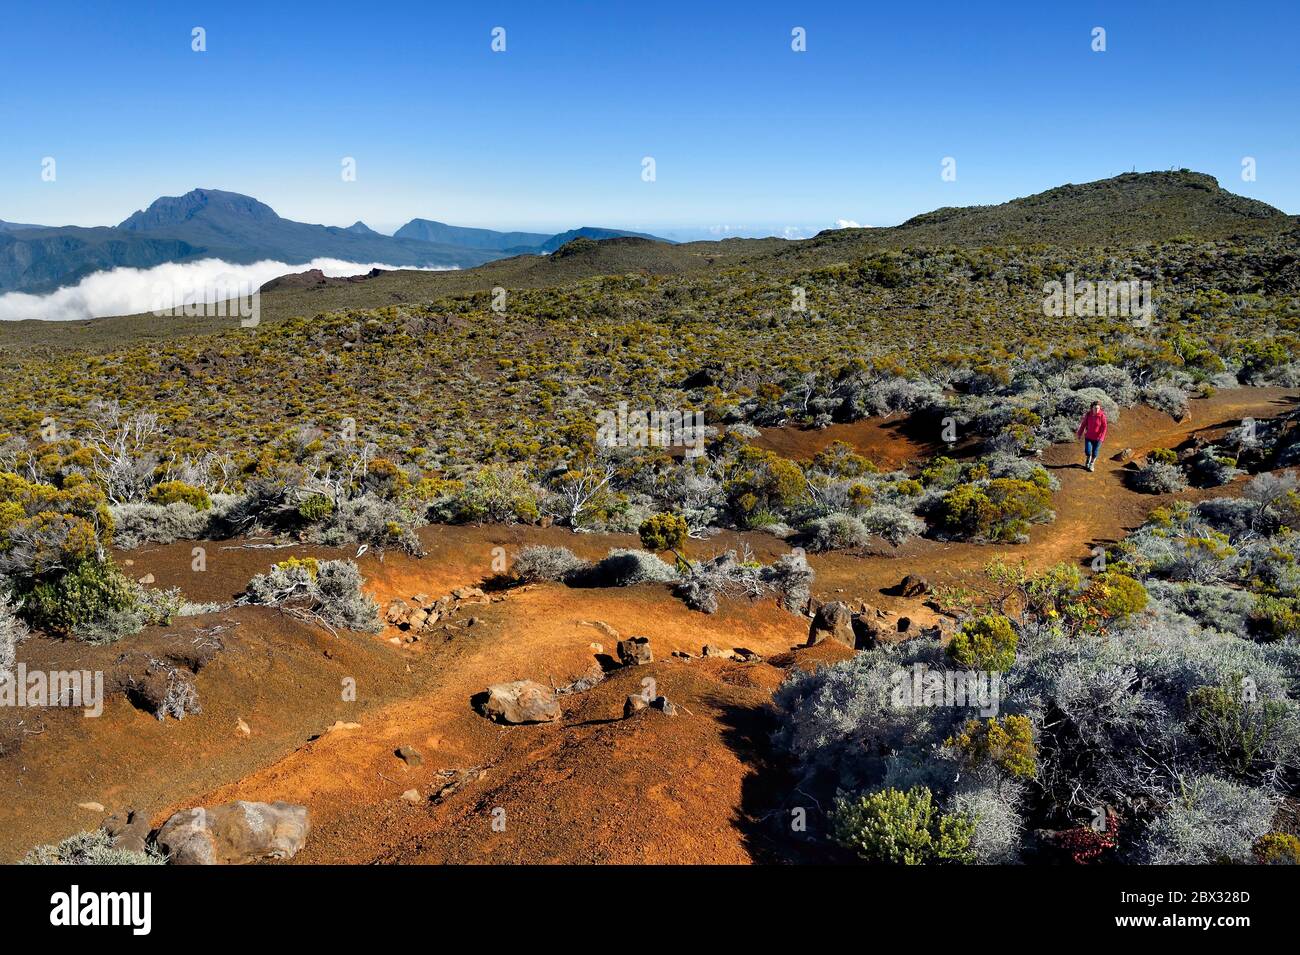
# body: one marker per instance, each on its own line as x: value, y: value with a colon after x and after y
x: 1145, y: 713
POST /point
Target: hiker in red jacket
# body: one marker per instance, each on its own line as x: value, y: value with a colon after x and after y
x: 1093, y: 431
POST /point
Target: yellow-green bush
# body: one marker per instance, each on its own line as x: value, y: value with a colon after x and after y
x: 892, y: 827
x: 985, y: 643
x: 178, y: 492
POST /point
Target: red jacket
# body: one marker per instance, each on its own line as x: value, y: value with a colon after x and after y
x: 1093, y: 426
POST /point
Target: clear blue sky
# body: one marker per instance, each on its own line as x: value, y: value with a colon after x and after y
x: 746, y: 133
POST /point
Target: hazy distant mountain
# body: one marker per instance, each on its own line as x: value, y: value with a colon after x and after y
x: 358, y: 227
x: 17, y: 226
x: 241, y: 229
x: 592, y: 232
x: 426, y: 230
x: 211, y: 223
x: 43, y: 259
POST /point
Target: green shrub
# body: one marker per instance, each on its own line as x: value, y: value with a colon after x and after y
x: 499, y: 494
x: 1278, y: 617
x: 985, y: 643
x: 1007, y: 743
x: 892, y: 827
x: 1116, y: 596
x: 92, y: 591
x: 1278, y: 848
x: 178, y: 492
x: 1001, y: 511
x: 1243, y: 729
x: 316, y: 507
x: 942, y: 472
x: 662, y: 532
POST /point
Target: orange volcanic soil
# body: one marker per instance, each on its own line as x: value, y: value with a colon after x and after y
x: 592, y: 787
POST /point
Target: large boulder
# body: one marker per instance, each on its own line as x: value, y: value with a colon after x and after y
x: 235, y: 834
x: 635, y: 651
x: 522, y: 701
x: 833, y: 620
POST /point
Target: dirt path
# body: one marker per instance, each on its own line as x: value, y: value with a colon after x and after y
x: 1092, y: 509
x: 591, y: 788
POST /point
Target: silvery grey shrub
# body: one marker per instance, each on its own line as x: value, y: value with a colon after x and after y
x: 995, y: 805
x: 333, y: 596
x: 541, y: 563
x: 136, y: 524
x: 369, y: 519
x: 791, y: 578
x: 1229, y: 515
x: 12, y: 631
x: 1005, y: 465
x: 92, y: 847
x: 837, y: 532
x: 841, y: 723
x: 623, y: 567
x: 1213, y: 606
x: 1166, y: 397
x: 1210, y: 469
x: 892, y: 523
x: 1114, y: 381
x: 1209, y: 821
x: 1159, y: 477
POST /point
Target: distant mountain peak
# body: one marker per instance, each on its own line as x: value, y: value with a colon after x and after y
x: 173, y: 210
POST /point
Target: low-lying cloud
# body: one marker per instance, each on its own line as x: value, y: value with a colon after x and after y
x: 127, y: 291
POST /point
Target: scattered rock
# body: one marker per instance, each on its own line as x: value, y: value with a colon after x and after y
x: 634, y: 704
x: 711, y: 651
x: 397, y: 613
x: 913, y: 585
x: 128, y: 829
x: 243, y: 728
x: 411, y: 795
x: 410, y: 755
x: 235, y: 834
x: 91, y: 806
x: 745, y: 655
x: 662, y: 703
x: 340, y: 725
x: 583, y: 683
x: 148, y: 579
x: 635, y: 651
x: 457, y: 779
x: 523, y: 701
x: 1124, y: 456
x: 833, y: 620
x: 603, y: 627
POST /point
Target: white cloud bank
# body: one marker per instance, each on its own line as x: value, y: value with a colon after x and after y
x: 126, y: 291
